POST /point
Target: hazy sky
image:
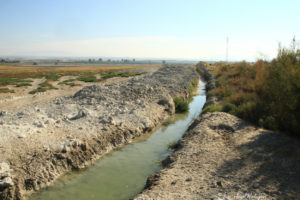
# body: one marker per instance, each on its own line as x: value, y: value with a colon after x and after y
x: 192, y: 29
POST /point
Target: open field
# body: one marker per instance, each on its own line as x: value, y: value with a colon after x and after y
x: 19, y: 84
x: 27, y: 71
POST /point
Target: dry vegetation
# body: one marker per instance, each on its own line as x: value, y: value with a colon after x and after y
x: 265, y: 93
x: 20, y: 76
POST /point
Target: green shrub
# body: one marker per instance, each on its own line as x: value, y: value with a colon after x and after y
x: 193, y: 85
x: 107, y: 75
x: 111, y: 74
x: 247, y: 110
x: 88, y: 78
x: 46, y: 85
x: 23, y: 84
x: 229, y: 108
x: 212, y: 108
x: 265, y: 93
x: 269, y: 123
x: 13, y: 80
x: 185, y: 134
x: 173, y: 145
x: 67, y: 82
x: 53, y: 77
x: 181, y: 106
x: 167, y: 122
x: 43, y: 87
x: 6, y: 90
x: 37, y: 90
x: 128, y: 74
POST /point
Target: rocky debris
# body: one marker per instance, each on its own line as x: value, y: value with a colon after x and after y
x: 38, y: 124
x: 5, y: 176
x: 80, y: 114
x: 168, y: 102
x: 48, y: 139
x: 2, y: 113
x: 143, y: 197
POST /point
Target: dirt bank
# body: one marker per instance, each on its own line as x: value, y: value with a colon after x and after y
x: 224, y: 157
x: 48, y: 139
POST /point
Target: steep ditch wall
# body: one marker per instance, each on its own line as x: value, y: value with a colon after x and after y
x: 46, y: 140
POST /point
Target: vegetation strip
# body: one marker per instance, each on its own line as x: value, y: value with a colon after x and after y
x: 264, y: 93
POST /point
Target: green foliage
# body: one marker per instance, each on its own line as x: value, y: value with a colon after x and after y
x: 174, y: 145
x: 88, y: 77
x: 265, y: 93
x: 229, y: 108
x: 107, y: 75
x: 279, y: 93
x: 6, y: 90
x: 212, y: 108
x: 247, y: 111
x: 13, y: 81
x: 23, y: 84
x: 53, y: 77
x: 46, y: 85
x: 43, y: 87
x: 167, y: 122
x: 185, y: 134
x: 67, y: 82
x: 181, y: 106
x: 128, y: 74
x: 111, y: 74
x: 37, y: 90
x: 268, y: 122
x: 193, y: 85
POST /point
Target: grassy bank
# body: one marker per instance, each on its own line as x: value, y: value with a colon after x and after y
x: 182, y: 105
x: 265, y: 93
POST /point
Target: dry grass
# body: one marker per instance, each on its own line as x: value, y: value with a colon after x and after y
x: 265, y: 93
x: 104, y: 68
x: 24, y: 71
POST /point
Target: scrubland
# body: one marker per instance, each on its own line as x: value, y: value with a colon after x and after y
x: 264, y: 93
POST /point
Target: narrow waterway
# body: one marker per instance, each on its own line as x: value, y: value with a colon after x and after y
x: 122, y: 174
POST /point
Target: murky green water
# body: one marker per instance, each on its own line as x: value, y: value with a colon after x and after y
x: 123, y: 173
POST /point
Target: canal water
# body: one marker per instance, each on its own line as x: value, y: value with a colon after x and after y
x: 122, y: 174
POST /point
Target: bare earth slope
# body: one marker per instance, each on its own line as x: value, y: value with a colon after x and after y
x: 223, y: 157
x: 48, y: 139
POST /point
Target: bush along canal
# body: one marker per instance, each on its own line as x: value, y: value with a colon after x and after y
x: 122, y: 174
